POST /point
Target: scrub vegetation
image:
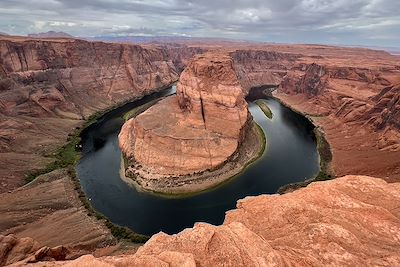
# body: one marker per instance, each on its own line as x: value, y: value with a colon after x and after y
x: 264, y: 107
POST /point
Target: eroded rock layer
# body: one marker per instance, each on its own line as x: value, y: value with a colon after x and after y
x: 198, y: 129
x: 352, y: 94
x: 350, y: 221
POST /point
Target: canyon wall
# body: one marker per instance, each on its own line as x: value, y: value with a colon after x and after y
x: 256, y: 68
x: 353, y: 95
x: 48, y: 87
x: 72, y: 79
x: 350, y: 93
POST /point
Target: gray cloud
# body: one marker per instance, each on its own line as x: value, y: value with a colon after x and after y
x: 367, y: 22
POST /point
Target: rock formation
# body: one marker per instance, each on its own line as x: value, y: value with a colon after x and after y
x: 69, y: 77
x: 350, y: 221
x: 386, y: 112
x: 39, y: 210
x: 352, y: 95
x: 13, y: 250
x: 199, y: 129
x: 311, y: 84
x: 256, y: 68
x: 331, y: 222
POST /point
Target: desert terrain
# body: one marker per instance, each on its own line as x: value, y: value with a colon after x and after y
x: 51, y: 88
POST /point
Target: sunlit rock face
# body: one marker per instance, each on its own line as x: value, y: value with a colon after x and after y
x: 198, y: 129
x: 349, y: 221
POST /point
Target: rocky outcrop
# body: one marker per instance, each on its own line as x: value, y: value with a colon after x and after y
x: 386, y: 111
x: 311, y: 83
x: 199, y: 129
x: 348, y: 221
x: 13, y: 250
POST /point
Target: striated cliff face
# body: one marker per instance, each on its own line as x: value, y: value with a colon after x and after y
x: 48, y: 87
x: 386, y: 112
x: 256, y: 68
x: 210, y: 93
x: 75, y: 78
x: 199, y: 129
x: 346, y: 93
x: 311, y: 83
x: 353, y: 220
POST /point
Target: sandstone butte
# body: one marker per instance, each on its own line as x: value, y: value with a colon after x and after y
x: 48, y: 87
x: 199, y: 129
x: 349, y: 221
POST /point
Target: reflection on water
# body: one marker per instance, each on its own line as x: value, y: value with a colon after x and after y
x: 291, y: 156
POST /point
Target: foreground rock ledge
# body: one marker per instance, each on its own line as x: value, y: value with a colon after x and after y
x: 174, y: 146
x: 349, y: 221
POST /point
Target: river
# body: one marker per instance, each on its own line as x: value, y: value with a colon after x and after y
x: 291, y: 156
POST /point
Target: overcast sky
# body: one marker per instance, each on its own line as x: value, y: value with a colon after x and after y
x: 361, y: 22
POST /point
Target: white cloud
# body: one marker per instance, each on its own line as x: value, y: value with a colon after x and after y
x: 349, y: 22
x: 61, y: 23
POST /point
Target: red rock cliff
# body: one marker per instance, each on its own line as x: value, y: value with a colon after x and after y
x: 48, y: 86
